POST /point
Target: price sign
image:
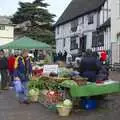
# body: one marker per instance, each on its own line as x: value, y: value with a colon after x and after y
x: 47, y: 69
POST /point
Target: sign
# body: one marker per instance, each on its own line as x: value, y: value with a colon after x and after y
x: 47, y: 69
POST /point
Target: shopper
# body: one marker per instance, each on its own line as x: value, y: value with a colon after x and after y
x: 103, y: 56
x: 23, y: 70
x: 3, y: 70
x: 89, y: 66
x: 65, y: 55
x: 60, y: 56
x: 36, y: 55
x: 11, y: 63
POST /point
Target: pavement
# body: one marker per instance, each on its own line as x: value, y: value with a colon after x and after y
x: 10, y: 109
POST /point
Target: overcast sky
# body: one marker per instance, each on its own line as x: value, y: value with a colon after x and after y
x: 8, y: 7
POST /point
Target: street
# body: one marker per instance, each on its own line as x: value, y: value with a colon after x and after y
x: 10, y: 109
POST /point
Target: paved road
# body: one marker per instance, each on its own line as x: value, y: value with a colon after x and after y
x: 10, y: 109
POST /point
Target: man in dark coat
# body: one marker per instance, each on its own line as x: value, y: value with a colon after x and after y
x: 89, y: 66
x: 3, y: 70
x: 65, y: 55
x: 60, y: 56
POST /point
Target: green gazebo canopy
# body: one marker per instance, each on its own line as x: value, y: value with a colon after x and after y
x: 25, y: 43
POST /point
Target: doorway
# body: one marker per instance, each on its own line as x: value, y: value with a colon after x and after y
x: 83, y: 41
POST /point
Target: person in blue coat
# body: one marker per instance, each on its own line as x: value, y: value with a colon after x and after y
x: 23, y: 69
x: 90, y: 66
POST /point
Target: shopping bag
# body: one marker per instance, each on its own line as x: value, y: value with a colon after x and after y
x: 18, y: 86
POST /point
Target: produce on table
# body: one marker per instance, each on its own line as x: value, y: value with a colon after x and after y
x: 80, y: 80
x: 33, y: 92
x: 34, y: 78
x: 39, y: 84
x: 69, y: 83
x: 64, y: 72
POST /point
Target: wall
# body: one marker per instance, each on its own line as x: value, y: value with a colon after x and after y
x: 103, y: 16
x: 99, y: 19
x: 115, y: 52
x: 6, y: 35
x: 115, y: 20
x: 115, y: 30
x: 66, y: 33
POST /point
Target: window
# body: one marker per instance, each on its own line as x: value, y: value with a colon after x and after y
x: 2, y: 27
x: 64, y: 42
x: 101, y: 39
x: 97, y: 39
x: 94, y: 39
x: 90, y: 19
x: 74, y: 44
x: 74, y: 25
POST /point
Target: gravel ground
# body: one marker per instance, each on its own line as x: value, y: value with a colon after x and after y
x: 10, y: 109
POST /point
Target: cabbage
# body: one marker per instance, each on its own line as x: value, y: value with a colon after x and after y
x: 33, y: 92
x: 67, y: 102
x: 69, y: 83
x: 60, y: 105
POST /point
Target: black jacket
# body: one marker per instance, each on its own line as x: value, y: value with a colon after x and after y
x: 3, y: 63
x: 89, y: 68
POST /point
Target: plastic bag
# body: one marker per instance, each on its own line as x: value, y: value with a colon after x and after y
x: 18, y: 86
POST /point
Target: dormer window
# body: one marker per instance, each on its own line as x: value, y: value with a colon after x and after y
x: 74, y: 25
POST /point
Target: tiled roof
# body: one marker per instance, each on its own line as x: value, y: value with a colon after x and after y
x: 78, y: 8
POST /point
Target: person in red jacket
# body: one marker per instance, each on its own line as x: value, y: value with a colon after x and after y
x: 11, y: 63
x: 103, y: 56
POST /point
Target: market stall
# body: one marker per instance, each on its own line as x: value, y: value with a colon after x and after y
x: 94, y: 89
x: 30, y: 44
x: 52, y: 89
x: 26, y: 43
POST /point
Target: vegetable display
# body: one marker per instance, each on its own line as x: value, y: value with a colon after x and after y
x: 33, y: 92
x: 69, y: 83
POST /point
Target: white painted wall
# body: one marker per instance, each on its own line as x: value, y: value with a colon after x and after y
x: 103, y: 12
x: 99, y: 19
x: 66, y: 33
x: 115, y: 30
x: 6, y: 35
x: 115, y: 20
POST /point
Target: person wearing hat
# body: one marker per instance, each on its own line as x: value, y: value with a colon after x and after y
x: 3, y: 70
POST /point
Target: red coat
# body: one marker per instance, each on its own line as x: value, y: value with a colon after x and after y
x: 103, y: 56
x: 11, y: 63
